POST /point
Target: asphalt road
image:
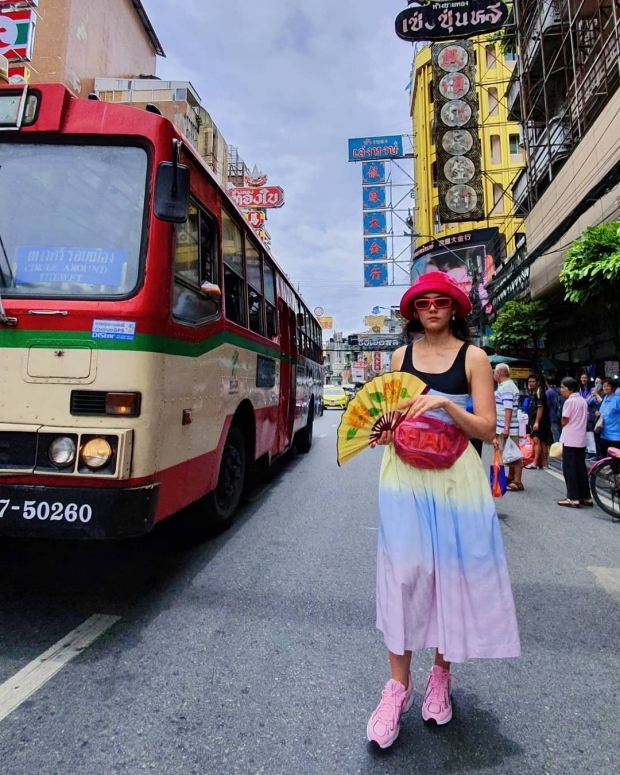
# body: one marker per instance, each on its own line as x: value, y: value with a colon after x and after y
x: 256, y: 652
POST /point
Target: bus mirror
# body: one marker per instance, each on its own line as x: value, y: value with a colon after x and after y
x: 171, y: 201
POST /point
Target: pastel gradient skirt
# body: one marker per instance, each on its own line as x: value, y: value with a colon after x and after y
x: 442, y: 578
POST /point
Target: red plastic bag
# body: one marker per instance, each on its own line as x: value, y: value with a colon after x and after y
x: 526, y: 446
x: 497, y: 476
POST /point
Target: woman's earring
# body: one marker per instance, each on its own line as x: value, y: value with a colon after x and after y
x: 453, y: 318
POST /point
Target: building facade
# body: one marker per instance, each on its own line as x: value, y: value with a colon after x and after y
x: 76, y: 41
x: 482, y: 246
x: 565, y: 92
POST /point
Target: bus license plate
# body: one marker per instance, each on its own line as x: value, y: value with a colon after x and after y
x: 45, y: 510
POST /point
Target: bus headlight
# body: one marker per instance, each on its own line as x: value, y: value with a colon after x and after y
x: 96, y: 453
x: 61, y: 452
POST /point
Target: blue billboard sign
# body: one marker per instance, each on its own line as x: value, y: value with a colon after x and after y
x: 373, y: 172
x: 375, y: 223
x: 373, y: 148
x: 374, y: 197
x: 375, y: 248
x: 375, y: 275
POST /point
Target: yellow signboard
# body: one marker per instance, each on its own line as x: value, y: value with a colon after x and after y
x: 519, y: 372
x: 375, y: 321
x: 326, y: 323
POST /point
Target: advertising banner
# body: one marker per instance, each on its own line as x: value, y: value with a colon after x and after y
x: 375, y: 223
x: 459, y: 176
x: 265, y: 197
x: 373, y: 148
x: 450, y: 19
x: 377, y: 361
x: 379, y: 342
x: 375, y: 275
x: 17, y: 34
x: 326, y: 323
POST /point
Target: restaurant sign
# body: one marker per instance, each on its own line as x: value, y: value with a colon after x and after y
x: 372, y: 148
x: 265, y: 197
x: 450, y: 19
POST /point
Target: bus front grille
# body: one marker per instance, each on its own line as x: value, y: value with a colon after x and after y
x: 88, y: 402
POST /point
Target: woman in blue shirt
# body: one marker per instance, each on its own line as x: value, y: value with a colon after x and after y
x: 610, y: 412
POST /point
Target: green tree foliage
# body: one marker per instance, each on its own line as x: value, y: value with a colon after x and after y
x: 518, y: 325
x: 591, y: 270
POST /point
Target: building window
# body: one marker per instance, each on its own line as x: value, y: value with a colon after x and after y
x: 434, y: 173
x: 498, y: 199
x: 234, y: 275
x: 431, y: 96
x: 515, y: 148
x: 270, y: 300
x: 432, y: 132
x: 436, y: 220
x: 496, y: 149
x: 493, y: 101
x: 510, y: 57
x: 490, y: 55
x: 180, y: 95
x: 195, y: 263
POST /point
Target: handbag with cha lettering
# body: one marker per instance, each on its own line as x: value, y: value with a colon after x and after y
x: 426, y: 442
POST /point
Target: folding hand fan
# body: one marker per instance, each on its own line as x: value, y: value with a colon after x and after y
x: 373, y: 410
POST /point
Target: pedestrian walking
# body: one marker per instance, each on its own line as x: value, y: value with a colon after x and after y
x: 442, y: 578
x: 539, y: 424
x: 609, y: 412
x: 554, y: 402
x: 507, y: 407
x: 574, y: 442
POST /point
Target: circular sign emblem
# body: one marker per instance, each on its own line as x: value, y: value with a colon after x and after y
x: 455, y: 113
x: 457, y: 142
x: 453, y: 58
x: 459, y: 169
x: 461, y: 199
x: 318, y: 311
x: 453, y: 86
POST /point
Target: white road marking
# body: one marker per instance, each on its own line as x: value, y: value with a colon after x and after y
x: 25, y: 683
x: 609, y: 579
x: 554, y: 473
x: 371, y: 528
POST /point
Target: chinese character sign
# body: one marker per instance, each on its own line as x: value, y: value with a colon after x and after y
x: 375, y: 275
x: 256, y: 218
x: 373, y: 172
x: 375, y: 223
x: 375, y: 248
x: 369, y: 148
x: 374, y: 198
x: 450, y: 20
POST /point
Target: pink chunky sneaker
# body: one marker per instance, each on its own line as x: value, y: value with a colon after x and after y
x: 384, y: 724
x: 437, y: 705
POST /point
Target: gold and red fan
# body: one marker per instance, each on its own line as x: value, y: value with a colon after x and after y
x: 374, y: 409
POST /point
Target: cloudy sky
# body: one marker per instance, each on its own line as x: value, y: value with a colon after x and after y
x: 288, y: 82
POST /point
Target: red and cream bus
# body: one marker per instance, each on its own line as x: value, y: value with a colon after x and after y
x: 151, y: 350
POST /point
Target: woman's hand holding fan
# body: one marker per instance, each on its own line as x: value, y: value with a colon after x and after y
x: 376, y: 409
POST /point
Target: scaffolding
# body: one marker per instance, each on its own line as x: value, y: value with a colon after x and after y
x: 569, y: 66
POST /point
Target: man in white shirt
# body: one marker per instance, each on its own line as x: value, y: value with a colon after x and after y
x: 507, y: 405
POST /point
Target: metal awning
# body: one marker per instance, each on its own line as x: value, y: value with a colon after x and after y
x: 148, y: 27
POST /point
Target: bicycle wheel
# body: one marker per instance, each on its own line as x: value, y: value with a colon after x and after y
x: 605, y: 486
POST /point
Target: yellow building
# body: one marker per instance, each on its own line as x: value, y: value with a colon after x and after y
x: 500, y: 234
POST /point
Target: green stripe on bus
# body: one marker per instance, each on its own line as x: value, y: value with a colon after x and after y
x: 142, y: 343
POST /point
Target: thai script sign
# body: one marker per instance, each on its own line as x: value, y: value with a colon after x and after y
x: 87, y: 266
x: 369, y: 148
x: 459, y: 176
x: 373, y: 172
x: 374, y: 198
x: 379, y: 342
x: 375, y: 248
x: 17, y: 34
x: 375, y: 223
x: 265, y: 197
x: 436, y: 21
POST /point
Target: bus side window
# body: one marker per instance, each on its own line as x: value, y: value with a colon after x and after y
x: 270, y: 300
x: 255, y: 288
x: 234, y: 275
x: 195, y: 262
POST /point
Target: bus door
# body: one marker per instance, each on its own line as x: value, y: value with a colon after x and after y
x: 288, y: 375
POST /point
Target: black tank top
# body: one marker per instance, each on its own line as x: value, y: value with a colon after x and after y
x: 452, y: 382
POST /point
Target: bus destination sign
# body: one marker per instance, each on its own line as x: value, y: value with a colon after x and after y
x: 450, y: 19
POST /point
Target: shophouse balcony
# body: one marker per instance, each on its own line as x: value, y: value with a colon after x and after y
x: 542, y: 20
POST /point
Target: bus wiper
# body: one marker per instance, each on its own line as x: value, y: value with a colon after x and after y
x: 6, y: 321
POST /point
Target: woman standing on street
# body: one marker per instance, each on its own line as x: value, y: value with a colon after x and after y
x: 574, y: 441
x: 540, y: 426
x: 442, y: 579
x: 609, y: 410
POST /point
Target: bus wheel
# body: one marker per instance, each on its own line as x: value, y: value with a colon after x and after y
x: 222, y: 503
x: 303, y: 442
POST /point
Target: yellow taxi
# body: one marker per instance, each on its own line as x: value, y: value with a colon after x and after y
x: 335, y: 397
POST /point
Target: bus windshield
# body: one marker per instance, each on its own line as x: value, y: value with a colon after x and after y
x: 71, y: 219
